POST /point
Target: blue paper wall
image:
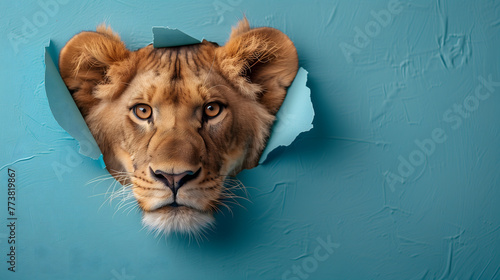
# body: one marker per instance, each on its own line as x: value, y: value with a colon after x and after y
x: 399, y: 178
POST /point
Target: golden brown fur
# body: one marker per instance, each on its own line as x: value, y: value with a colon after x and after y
x: 178, y: 159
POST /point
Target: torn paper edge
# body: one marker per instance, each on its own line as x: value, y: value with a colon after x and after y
x: 66, y: 112
x: 295, y: 115
x: 164, y: 37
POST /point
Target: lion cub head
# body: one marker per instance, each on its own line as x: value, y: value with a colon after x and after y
x: 174, y: 122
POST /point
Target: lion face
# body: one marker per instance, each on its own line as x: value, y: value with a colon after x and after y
x: 173, y: 123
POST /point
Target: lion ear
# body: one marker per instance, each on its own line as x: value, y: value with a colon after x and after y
x: 85, y: 59
x: 265, y: 58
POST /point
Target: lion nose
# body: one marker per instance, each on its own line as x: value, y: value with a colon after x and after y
x: 176, y: 180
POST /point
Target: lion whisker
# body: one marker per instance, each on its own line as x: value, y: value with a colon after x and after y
x: 125, y: 205
x: 132, y: 207
x: 219, y: 85
x: 209, y: 71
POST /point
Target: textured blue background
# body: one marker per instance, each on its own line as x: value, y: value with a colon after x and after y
x: 349, y: 180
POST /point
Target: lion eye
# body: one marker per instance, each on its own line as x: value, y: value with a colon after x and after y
x: 212, y: 110
x: 142, y: 111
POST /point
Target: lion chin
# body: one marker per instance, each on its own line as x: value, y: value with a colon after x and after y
x: 180, y: 219
x: 174, y: 123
